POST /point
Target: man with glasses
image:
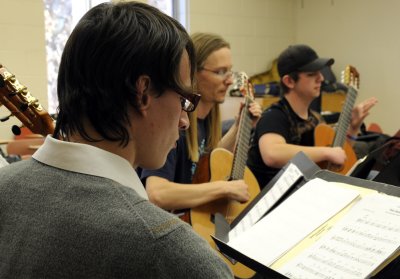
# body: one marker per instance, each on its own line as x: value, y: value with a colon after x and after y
x: 287, y: 127
x: 77, y: 209
x: 171, y: 186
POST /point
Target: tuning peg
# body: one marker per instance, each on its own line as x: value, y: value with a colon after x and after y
x: 24, y: 91
x: 23, y: 107
x: 16, y: 130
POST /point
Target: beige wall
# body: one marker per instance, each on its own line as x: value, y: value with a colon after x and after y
x: 358, y: 32
x: 257, y: 29
x: 362, y: 33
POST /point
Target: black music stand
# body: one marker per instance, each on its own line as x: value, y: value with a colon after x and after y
x: 382, y: 164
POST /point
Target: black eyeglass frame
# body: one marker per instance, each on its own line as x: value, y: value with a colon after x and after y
x: 189, y: 101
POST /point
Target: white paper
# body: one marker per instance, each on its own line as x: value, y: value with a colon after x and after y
x: 304, y: 211
x: 284, y: 183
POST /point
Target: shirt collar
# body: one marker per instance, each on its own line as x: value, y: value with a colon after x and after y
x: 87, y: 159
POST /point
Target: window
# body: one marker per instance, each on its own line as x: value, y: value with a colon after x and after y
x: 175, y: 8
x: 60, y: 18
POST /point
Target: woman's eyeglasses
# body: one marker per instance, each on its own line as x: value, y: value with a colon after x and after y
x: 222, y: 73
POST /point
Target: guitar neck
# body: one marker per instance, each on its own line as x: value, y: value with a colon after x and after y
x: 242, y: 146
x: 345, y: 118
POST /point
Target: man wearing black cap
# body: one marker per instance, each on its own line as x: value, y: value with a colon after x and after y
x: 287, y: 127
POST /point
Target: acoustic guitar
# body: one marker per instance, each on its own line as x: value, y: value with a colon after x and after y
x: 325, y: 135
x: 19, y: 101
x: 227, y: 166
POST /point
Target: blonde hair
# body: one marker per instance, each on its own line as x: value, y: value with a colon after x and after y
x: 204, y: 45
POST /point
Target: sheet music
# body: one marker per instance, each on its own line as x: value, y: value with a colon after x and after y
x: 285, y: 181
x: 356, y: 246
x: 304, y: 211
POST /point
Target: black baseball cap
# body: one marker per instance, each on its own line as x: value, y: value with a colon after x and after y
x: 301, y: 58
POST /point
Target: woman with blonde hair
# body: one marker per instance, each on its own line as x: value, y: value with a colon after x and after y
x: 171, y: 186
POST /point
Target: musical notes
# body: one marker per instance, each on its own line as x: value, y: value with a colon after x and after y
x: 356, y: 246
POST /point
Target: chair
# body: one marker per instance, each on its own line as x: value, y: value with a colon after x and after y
x: 24, y: 147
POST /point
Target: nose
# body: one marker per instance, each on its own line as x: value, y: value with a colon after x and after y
x: 229, y: 80
x: 184, y: 121
x: 320, y: 77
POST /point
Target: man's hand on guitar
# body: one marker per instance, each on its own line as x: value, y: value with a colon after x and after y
x: 359, y: 113
x: 336, y: 155
x: 236, y: 190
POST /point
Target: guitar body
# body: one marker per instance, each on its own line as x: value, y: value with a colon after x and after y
x: 324, y: 136
x: 202, y: 173
x: 221, y: 162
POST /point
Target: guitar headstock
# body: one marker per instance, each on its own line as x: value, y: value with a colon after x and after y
x: 241, y: 85
x: 351, y: 77
x: 19, y: 101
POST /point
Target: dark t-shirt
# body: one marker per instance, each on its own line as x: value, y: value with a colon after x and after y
x: 279, y: 119
x: 178, y: 167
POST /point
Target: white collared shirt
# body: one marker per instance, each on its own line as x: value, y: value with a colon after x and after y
x: 87, y: 159
x: 3, y: 162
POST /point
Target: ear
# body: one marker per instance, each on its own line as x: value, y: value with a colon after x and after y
x: 288, y: 81
x: 142, y: 88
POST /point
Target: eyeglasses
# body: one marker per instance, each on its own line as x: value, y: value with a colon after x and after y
x: 189, y: 101
x: 222, y: 73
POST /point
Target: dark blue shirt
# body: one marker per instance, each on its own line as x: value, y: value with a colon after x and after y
x: 178, y: 167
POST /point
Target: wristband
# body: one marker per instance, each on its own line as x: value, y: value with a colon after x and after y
x: 350, y: 137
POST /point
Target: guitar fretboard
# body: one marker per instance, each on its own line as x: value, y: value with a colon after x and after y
x: 242, y: 147
x: 345, y: 118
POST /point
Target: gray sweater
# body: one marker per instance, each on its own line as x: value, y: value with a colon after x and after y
x: 61, y: 224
